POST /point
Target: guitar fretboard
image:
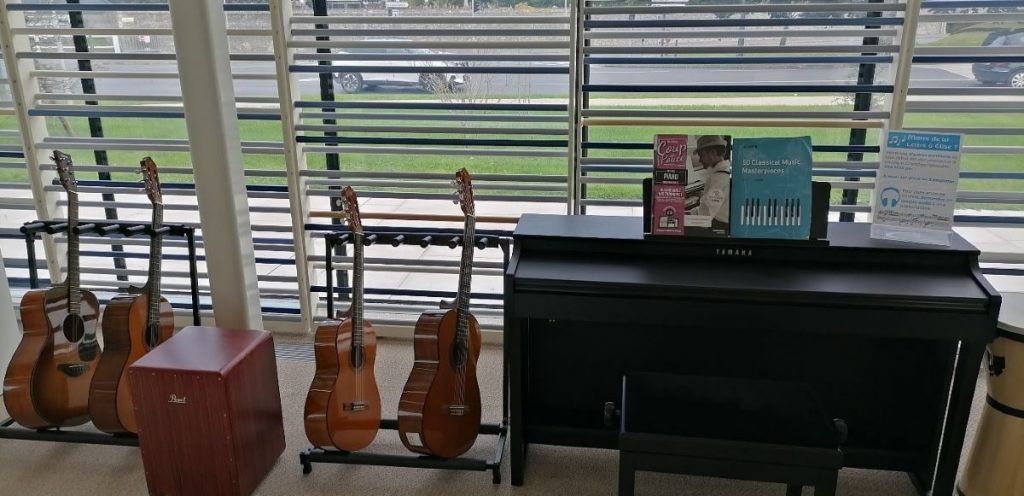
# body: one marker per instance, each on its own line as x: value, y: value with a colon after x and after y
x: 357, y: 290
x: 465, y: 279
x: 153, y: 284
x: 74, y: 281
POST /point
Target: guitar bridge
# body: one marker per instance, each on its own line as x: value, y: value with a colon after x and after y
x: 456, y: 410
x: 355, y: 406
x: 73, y: 369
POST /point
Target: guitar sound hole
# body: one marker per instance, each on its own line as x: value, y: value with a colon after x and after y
x: 74, y: 328
x: 88, y: 349
x: 151, y: 338
x: 357, y: 357
x: 459, y: 354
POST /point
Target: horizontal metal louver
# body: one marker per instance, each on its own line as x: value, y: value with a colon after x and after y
x: 553, y: 110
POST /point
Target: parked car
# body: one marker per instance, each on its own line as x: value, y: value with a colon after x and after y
x: 433, y: 81
x: 1002, y: 73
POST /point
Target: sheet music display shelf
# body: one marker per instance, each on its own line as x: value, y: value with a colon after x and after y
x: 8, y: 429
x: 875, y: 327
x: 397, y: 236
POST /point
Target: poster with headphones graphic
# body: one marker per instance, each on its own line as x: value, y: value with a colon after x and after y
x: 916, y: 186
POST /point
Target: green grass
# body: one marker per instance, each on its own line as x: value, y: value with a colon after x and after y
x: 271, y: 131
x: 962, y: 39
x: 973, y: 35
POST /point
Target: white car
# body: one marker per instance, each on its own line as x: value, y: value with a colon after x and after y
x: 433, y: 81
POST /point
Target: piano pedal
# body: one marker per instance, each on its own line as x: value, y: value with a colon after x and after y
x: 456, y: 410
x: 355, y: 406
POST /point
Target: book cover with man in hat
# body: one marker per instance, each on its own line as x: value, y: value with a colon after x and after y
x: 691, y: 185
x: 710, y: 170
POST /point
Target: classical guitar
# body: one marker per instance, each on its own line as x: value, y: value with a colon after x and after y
x: 439, y: 412
x: 133, y: 324
x: 47, y: 382
x: 343, y: 405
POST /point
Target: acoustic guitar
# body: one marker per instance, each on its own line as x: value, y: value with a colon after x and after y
x: 439, y: 411
x: 133, y: 324
x: 343, y: 405
x: 47, y: 382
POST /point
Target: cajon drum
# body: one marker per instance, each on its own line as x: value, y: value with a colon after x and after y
x: 209, y: 412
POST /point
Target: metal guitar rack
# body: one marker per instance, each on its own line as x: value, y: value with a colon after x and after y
x: 102, y: 229
x: 397, y: 236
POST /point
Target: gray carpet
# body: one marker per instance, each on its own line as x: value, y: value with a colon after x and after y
x: 51, y: 469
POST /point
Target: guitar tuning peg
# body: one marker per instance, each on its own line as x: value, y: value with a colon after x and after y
x: 453, y: 182
x: 455, y: 201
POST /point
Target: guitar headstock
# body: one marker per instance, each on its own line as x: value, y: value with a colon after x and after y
x: 464, y: 183
x: 152, y: 180
x: 65, y: 171
x: 350, y: 204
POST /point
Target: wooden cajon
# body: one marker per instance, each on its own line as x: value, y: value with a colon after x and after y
x: 209, y: 412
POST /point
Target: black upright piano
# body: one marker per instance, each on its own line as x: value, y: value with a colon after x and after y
x: 891, y: 336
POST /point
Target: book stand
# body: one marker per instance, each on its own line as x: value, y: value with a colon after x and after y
x: 819, y: 224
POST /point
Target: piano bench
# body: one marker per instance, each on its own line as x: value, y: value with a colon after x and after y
x: 740, y: 429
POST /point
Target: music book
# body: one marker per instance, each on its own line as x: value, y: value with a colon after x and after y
x: 690, y: 192
x: 771, y: 188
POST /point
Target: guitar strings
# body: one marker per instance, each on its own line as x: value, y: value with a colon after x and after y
x: 462, y: 311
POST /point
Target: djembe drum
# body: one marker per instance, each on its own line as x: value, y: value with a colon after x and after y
x: 996, y: 463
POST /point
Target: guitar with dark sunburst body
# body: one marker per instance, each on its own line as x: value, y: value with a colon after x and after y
x: 47, y: 381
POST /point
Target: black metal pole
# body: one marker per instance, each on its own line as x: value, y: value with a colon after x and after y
x: 193, y: 274
x: 333, y: 159
x: 329, y: 260
x: 861, y: 102
x: 583, y: 105
x: 95, y: 126
x: 30, y: 254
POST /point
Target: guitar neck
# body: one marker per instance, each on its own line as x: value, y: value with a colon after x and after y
x: 465, y: 278
x: 74, y: 281
x: 357, y: 290
x: 153, y: 283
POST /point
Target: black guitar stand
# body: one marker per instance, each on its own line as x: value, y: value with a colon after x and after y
x: 397, y: 236
x: 32, y: 230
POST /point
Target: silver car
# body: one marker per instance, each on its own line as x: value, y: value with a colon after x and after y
x: 433, y: 81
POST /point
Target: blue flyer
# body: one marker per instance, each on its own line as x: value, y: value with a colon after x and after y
x: 916, y: 187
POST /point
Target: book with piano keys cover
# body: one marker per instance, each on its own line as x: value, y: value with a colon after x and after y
x: 771, y: 188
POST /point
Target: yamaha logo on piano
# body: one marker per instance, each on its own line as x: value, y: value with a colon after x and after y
x: 734, y: 252
x: 177, y: 401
